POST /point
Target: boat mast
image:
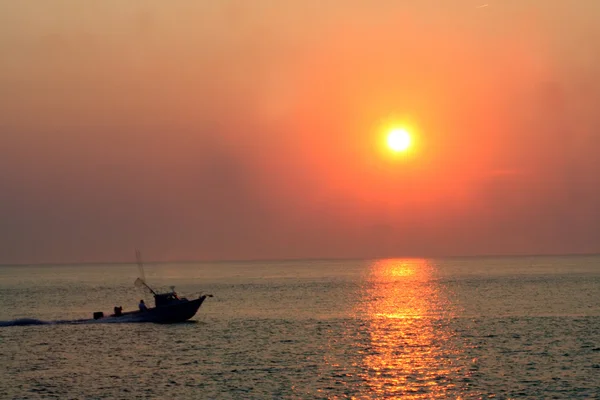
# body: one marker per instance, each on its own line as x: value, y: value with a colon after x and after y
x: 142, y: 278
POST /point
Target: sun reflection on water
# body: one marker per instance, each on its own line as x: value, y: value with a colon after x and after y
x: 408, y: 353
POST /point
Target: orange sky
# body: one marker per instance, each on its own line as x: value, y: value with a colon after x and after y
x: 236, y: 129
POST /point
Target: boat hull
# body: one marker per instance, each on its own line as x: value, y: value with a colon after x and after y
x: 173, y: 313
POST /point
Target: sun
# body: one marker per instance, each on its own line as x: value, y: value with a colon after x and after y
x: 398, y: 139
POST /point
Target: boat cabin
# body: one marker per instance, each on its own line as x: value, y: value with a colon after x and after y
x: 165, y: 299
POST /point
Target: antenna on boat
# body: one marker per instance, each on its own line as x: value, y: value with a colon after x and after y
x: 141, y: 281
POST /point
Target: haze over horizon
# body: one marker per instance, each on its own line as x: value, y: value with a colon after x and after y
x: 230, y: 130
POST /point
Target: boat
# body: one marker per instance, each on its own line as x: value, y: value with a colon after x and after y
x: 168, y: 307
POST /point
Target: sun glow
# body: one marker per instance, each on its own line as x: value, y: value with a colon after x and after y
x: 398, y: 139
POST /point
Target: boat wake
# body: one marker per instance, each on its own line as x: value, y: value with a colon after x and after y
x: 23, y: 322
x: 32, y: 321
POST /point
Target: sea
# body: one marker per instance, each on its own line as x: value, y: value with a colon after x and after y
x: 451, y: 328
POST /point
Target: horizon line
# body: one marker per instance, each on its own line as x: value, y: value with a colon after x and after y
x: 240, y: 260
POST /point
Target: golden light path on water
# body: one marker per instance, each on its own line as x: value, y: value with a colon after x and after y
x: 411, y: 353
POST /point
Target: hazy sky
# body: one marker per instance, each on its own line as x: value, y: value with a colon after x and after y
x: 253, y: 129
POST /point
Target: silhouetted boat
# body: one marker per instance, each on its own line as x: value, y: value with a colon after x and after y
x: 168, y: 307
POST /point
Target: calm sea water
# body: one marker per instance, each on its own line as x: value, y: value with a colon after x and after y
x: 513, y: 327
